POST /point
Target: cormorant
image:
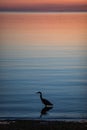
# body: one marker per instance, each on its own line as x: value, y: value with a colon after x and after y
x: 45, y: 101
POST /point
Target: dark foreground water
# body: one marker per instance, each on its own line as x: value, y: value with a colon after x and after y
x: 62, y: 80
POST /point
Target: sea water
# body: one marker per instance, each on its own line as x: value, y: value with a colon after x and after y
x: 50, y: 62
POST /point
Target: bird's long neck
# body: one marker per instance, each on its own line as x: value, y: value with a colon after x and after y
x: 41, y: 96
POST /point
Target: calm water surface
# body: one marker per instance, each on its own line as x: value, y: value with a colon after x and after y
x: 46, y: 57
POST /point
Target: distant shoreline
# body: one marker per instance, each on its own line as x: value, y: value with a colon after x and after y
x: 42, y: 12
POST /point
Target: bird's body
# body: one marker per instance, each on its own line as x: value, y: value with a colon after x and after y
x: 45, y: 101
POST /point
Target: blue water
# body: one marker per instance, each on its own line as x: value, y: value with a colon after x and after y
x: 62, y: 80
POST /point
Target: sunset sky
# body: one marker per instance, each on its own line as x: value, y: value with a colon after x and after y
x: 46, y: 5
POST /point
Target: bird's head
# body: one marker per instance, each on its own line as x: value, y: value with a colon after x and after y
x: 39, y: 93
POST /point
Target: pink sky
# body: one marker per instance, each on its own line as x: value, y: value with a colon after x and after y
x: 46, y: 5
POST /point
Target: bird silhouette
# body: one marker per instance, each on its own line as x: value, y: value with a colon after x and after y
x: 45, y: 101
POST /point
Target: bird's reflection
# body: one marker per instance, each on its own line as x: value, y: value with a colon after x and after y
x: 45, y: 110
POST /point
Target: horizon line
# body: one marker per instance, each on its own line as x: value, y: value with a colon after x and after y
x: 43, y: 11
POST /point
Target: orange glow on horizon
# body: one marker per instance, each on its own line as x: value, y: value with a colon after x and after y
x: 13, y: 3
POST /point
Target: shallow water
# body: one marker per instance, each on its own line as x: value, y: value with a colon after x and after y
x: 59, y: 71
